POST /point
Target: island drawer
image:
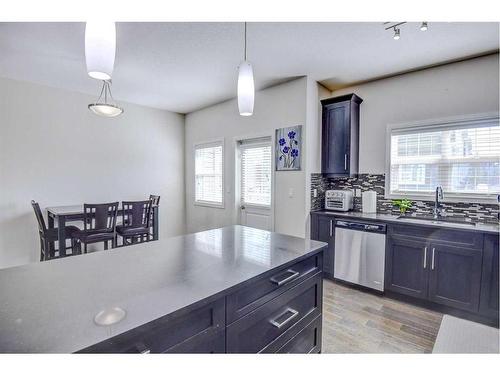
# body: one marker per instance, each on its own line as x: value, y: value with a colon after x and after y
x: 279, y: 317
x: 308, y: 340
x: 190, y: 329
x: 264, y: 289
x: 203, y: 343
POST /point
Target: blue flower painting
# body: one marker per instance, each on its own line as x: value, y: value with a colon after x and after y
x: 288, y: 148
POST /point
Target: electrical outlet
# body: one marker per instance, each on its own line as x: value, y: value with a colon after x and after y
x: 315, y: 193
x: 357, y: 193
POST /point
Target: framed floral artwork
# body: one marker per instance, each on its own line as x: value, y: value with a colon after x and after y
x: 288, y: 148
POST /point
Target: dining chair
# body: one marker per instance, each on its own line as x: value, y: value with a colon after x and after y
x: 99, y: 225
x: 136, y: 216
x: 155, y: 202
x: 49, y: 236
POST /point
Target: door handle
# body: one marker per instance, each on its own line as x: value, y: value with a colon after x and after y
x: 242, y: 207
x: 425, y: 257
x: 278, y: 325
x: 432, y: 261
x: 331, y: 228
x: 345, y: 162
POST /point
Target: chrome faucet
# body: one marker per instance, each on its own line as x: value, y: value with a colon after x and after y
x: 437, y: 206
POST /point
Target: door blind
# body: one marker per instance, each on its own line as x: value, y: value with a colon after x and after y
x: 256, y: 174
x: 209, y: 173
x: 463, y: 158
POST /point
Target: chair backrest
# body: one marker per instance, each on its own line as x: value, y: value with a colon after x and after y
x: 100, y: 217
x: 155, y: 199
x: 39, y: 217
x: 136, y: 213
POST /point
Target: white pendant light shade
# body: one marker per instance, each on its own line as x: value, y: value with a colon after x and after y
x: 100, y: 47
x: 246, y: 89
x: 105, y: 110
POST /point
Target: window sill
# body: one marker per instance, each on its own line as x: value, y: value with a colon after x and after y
x: 208, y: 204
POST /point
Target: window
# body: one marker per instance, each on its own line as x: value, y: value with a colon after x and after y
x: 209, y: 174
x: 255, y: 173
x: 461, y: 156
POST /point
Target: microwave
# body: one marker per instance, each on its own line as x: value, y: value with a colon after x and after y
x: 339, y: 200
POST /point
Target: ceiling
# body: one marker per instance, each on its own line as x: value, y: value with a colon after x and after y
x: 183, y: 67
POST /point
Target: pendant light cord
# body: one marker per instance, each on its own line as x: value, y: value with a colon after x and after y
x: 245, y: 41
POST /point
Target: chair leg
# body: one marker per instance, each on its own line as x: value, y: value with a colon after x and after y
x: 105, y: 245
x: 85, y: 248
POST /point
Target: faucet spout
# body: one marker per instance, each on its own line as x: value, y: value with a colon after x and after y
x: 437, y: 205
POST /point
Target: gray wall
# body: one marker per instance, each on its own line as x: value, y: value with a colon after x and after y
x: 450, y: 90
x: 276, y: 107
x: 54, y: 150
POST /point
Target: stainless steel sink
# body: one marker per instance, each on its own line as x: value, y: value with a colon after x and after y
x: 436, y: 221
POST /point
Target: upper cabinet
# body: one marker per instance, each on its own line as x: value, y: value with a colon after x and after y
x: 340, y: 135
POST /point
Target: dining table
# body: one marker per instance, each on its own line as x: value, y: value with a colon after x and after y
x: 61, y: 215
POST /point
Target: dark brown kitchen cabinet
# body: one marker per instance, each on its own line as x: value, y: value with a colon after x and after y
x: 340, y: 135
x: 455, y: 276
x: 407, y: 265
x: 323, y: 229
x: 489, y: 282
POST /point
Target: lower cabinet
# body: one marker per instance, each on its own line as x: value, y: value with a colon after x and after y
x: 308, y: 340
x: 489, y: 281
x: 323, y: 229
x: 434, y: 270
x: 455, y: 276
x: 406, y: 268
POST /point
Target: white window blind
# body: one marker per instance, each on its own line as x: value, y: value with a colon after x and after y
x: 256, y: 173
x: 461, y: 157
x: 209, y: 173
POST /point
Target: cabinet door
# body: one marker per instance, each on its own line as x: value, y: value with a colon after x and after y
x: 324, y: 231
x: 336, y: 131
x: 455, y: 276
x: 407, y: 265
x: 488, y: 304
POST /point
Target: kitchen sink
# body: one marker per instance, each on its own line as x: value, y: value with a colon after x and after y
x: 436, y: 221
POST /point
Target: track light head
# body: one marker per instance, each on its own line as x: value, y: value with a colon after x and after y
x: 396, y: 34
x: 424, y: 27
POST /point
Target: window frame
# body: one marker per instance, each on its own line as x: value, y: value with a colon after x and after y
x: 435, y: 124
x: 260, y: 141
x: 207, y: 144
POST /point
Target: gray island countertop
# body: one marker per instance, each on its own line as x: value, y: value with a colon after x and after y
x: 50, y: 306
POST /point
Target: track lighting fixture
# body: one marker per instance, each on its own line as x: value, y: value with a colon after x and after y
x: 423, y: 27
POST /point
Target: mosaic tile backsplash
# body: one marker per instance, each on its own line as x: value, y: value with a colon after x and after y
x: 476, y: 212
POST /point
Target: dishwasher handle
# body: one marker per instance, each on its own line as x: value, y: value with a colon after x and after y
x: 366, y: 227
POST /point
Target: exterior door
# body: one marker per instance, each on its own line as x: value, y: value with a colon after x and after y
x: 407, y: 266
x: 455, y: 276
x: 255, y: 183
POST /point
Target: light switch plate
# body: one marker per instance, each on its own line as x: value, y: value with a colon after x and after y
x: 315, y: 193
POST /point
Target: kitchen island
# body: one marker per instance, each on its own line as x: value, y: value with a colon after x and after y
x: 234, y: 289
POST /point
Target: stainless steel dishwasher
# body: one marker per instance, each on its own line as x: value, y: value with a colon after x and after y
x: 360, y: 253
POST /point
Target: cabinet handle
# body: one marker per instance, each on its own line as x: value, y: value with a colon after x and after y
x: 425, y: 257
x: 331, y: 228
x: 432, y: 261
x: 345, y: 162
x: 288, y: 310
x: 141, y: 348
x: 294, y: 275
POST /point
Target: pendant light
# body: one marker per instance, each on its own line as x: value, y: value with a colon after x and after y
x: 100, y: 47
x: 105, y: 109
x: 246, y: 88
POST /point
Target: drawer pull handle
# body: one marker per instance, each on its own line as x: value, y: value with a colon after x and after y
x: 141, y: 348
x: 425, y: 257
x: 433, y: 251
x: 293, y: 312
x: 294, y: 275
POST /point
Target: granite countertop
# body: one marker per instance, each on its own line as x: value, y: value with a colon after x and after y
x: 478, y: 227
x: 50, y: 306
